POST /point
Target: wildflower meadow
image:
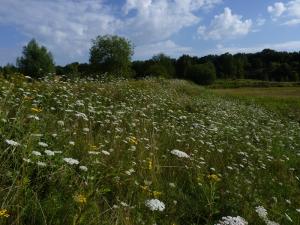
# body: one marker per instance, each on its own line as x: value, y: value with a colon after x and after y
x: 151, y: 152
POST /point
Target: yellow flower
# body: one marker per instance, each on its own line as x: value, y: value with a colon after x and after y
x: 150, y: 164
x: 36, y: 110
x: 213, y: 178
x: 133, y: 140
x: 156, y: 194
x: 28, y: 98
x: 94, y: 147
x: 80, y: 198
x: 4, y: 213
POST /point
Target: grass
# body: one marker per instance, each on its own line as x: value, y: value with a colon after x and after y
x: 119, y: 138
x: 242, y: 83
x: 284, y: 100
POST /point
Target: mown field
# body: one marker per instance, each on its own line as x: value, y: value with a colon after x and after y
x: 144, y: 152
x: 283, y: 100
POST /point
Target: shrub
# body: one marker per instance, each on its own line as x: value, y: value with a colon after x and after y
x: 204, y: 74
x: 157, y: 70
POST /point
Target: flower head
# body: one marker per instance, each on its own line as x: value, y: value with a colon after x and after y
x: 155, y: 205
x: 80, y: 198
x: 3, y: 213
x: 179, y: 153
x: 229, y: 220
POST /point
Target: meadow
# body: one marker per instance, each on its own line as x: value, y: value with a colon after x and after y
x: 144, y: 152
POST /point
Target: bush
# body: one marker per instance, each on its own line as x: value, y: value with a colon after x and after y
x: 157, y: 70
x: 204, y: 74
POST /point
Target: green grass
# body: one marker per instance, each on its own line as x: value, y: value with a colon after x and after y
x: 242, y: 155
x: 242, y: 83
x: 283, y: 100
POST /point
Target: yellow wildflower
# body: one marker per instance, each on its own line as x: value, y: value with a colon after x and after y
x: 28, y: 98
x: 36, y: 110
x: 80, y: 198
x: 4, y: 213
x: 213, y: 178
x: 150, y: 164
x: 156, y: 194
x: 133, y: 140
x: 94, y: 147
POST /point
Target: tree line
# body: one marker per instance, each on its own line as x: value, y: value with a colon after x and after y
x: 113, y: 55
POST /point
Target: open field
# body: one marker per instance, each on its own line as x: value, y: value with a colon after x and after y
x: 143, y: 152
x: 285, y: 100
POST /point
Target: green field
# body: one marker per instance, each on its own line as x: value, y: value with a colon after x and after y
x: 284, y: 100
x: 146, y: 152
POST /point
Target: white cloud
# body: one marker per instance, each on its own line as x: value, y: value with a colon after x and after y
x: 283, y: 46
x: 226, y: 25
x: 277, y: 9
x: 157, y: 20
x: 169, y: 47
x: 289, y: 11
x: 66, y: 27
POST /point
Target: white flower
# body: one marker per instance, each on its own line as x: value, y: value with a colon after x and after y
x: 60, y: 123
x: 86, y: 129
x: 105, y: 152
x: 261, y: 211
x: 71, y: 142
x: 298, y: 210
x: 71, y: 161
x: 229, y: 220
x: 83, y: 168
x: 12, y: 143
x: 42, y: 164
x: 49, y: 153
x: 129, y: 172
x: 43, y: 144
x: 36, y: 153
x: 155, y: 205
x: 172, y: 185
x: 180, y: 154
x: 27, y: 160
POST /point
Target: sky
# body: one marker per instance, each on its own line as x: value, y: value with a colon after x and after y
x: 173, y: 27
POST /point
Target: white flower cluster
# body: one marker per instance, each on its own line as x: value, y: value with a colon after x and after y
x: 12, y: 143
x: 71, y: 161
x: 155, y: 205
x: 263, y: 214
x: 229, y: 220
x: 179, y: 153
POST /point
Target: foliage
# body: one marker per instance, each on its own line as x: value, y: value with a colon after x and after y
x: 111, y: 54
x: 157, y: 70
x: 36, y: 61
x: 203, y: 74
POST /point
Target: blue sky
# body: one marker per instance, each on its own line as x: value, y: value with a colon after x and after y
x: 175, y: 27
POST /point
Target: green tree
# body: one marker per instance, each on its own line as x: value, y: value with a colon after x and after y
x: 166, y: 62
x: 111, y: 54
x: 203, y: 74
x: 157, y: 70
x: 36, y: 61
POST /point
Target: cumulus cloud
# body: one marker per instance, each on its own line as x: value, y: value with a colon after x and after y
x: 66, y: 27
x: 289, y: 11
x: 226, y: 25
x: 277, y: 9
x: 156, y: 20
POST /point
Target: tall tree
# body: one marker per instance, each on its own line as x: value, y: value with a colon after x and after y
x: 111, y: 54
x: 36, y: 61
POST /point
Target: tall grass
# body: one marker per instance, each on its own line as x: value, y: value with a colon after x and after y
x: 88, y: 152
